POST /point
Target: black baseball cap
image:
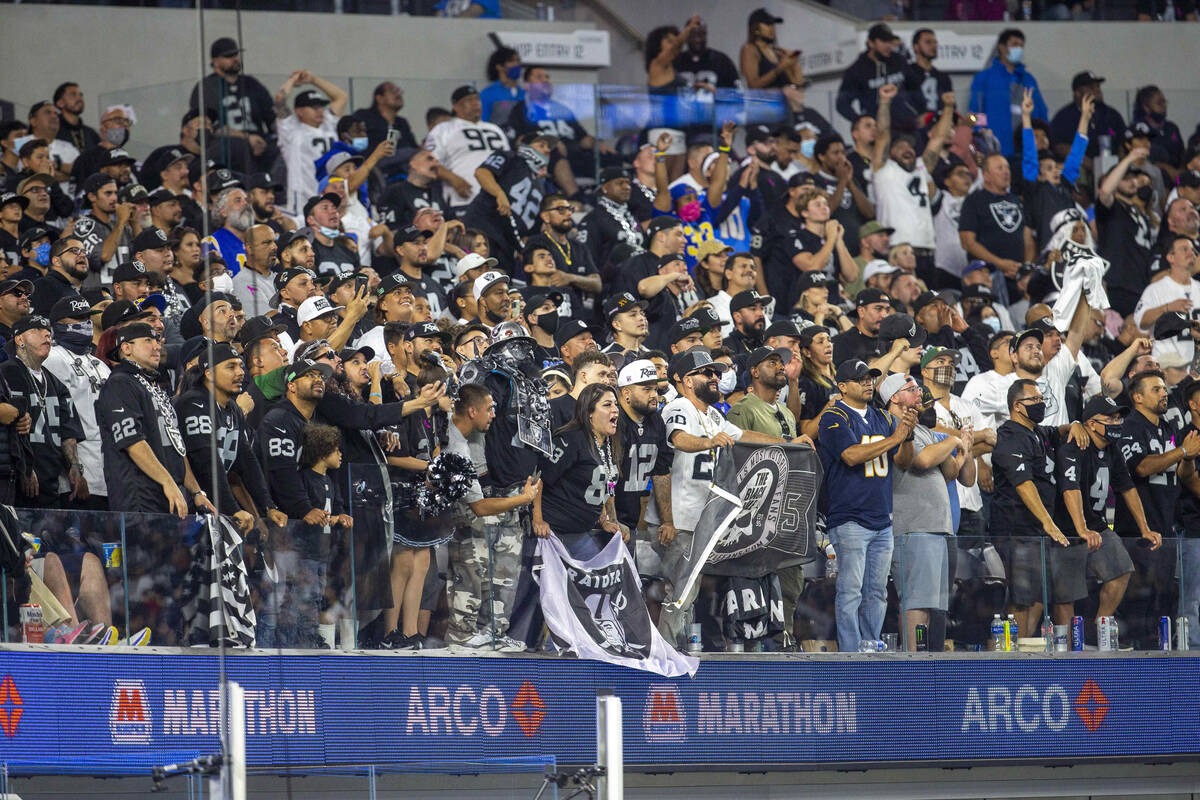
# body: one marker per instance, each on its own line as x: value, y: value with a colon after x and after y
x: 96, y: 182
x: 812, y: 280
x: 347, y: 353
x: 670, y: 258
x: 32, y: 235
x: 661, y: 223
x: 263, y: 180
x: 785, y: 327
x: 8, y: 285
x: 761, y: 354
x: 534, y: 296
x: 161, y: 195
x: 221, y: 351
x: 312, y: 202
x: 286, y: 239
x: 465, y: 90
x: 902, y: 326
x: 978, y: 291
x: 30, y: 322
x: 620, y: 303
x: 1044, y: 324
x: 221, y: 179
x: 120, y: 311
x: 1171, y: 324
x: 1085, y: 78
x: 871, y: 295
x: 223, y: 47
x: 71, y: 306
x: 132, y: 193
x: 1101, y: 404
x: 285, y: 276
x: 1138, y: 129
x: 422, y: 330
x: 130, y: 271
x: 926, y: 297
x: 397, y: 280
x: 150, y: 239
x: 569, y: 330
x: 304, y: 366
x: 138, y: 330
x: 747, y: 298
x: 410, y: 233
x: 881, y: 31
x: 613, y: 174
x: 692, y: 359
x: 117, y: 156
x: 257, y: 328
x: 310, y: 98
x: 707, y: 317
x: 13, y: 197
x: 758, y: 133
x: 682, y: 328
x: 854, y: 369
x: 1015, y: 343
x: 760, y: 16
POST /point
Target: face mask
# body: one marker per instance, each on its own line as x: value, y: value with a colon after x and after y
x: 222, y: 283
x: 329, y: 233
x: 993, y: 323
x: 513, y: 72
x: 76, y: 336
x: 359, y: 143
x: 943, y: 376
x: 41, y: 255
x: 808, y: 147
x: 1145, y: 192
x: 766, y: 39
x: 1036, y: 412
x: 116, y: 136
x: 548, y: 321
x: 690, y: 212
x: 1015, y: 54
x: 1156, y: 117
x: 728, y: 381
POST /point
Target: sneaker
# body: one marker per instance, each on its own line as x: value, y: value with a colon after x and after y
x: 97, y: 632
x: 505, y: 644
x: 139, y: 639
x: 66, y: 634
x: 392, y: 640
x: 414, y: 642
x: 479, y: 641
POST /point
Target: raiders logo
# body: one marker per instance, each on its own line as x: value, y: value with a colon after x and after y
x: 84, y: 226
x: 761, y: 482
x: 138, y: 265
x: 1007, y: 215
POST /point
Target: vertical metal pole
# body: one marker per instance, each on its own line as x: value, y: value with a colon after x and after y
x: 233, y: 740
x: 371, y: 782
x: 610, y: 748
x: 125, y: 574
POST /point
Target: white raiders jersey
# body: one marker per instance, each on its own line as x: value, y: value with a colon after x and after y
x: 692, y: 473
x: 902, y: 200
x: 301, y: 146
x: 460, y: 147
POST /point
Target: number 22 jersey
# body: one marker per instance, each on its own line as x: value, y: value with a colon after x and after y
x: 861, y: 494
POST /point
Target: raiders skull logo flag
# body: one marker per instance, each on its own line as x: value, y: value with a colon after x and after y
x: 760, y: 516
x: 596, y: 608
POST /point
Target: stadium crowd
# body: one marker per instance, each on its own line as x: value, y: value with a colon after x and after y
x: 293, y: 313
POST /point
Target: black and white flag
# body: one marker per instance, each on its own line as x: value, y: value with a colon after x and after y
x: 596, y: 607
x: 760, y: 516
x: 217, y: 595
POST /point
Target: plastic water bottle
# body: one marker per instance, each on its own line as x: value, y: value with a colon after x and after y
x: 831, y: 565
x: 1011, y: 632
x: 997, y: 633
x: 871, y: 646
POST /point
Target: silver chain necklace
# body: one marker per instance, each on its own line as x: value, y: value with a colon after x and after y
x: 165, y: 411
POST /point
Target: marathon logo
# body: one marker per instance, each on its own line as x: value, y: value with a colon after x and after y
x: 269, y: 712
x: 776, y: 713
x: 992, y: 709
x: 663, y: 716
x: 129, y: 719
x: 439, y: 710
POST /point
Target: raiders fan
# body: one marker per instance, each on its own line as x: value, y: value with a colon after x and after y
x: 645, y: 454
x: 462, y: 143
x: 507, y: 209
x: 334, y: 253
x: 105, y: 230
x: 56, y: 428
x: 139, y: 432
x: 611, y: 222
x: 222, y: 376
x: 281, y: 437
x: 420, y: 188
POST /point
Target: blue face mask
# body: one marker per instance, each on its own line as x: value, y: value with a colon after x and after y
x: 993, y: 323
x: 359, y: 143
x: 41, y: 255
x: 1015, y: 54
x: 513, y: 72
x: 330, y: 233
x: 808, y: 147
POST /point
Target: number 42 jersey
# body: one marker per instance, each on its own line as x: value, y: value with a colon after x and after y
x: 461, y: 147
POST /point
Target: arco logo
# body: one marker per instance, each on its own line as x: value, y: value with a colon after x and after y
x: 1091, y: 705
x: 11, y: 706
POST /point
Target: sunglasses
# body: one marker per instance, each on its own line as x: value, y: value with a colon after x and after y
x: 707, y: 372
x: 19, y: 293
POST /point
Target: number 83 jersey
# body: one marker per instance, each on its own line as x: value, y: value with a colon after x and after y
x: 461, y: 147
x: 861, y: 493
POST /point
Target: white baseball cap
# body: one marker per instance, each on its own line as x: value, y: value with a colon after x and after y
x: 892, y: 384
x: 315, y: 307
x: 878, y: 267
x: 472, y: 261
x: 637, y: 372
x: 486, y: 281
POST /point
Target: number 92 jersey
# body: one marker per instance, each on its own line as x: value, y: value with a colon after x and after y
x: 861, y: 493
x: 692, y: 473
x: 461, y: 147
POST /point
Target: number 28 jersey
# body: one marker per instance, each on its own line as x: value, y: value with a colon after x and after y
x: 862, y: 493
x: 462, y: 147
x: 902, y: 202
x: 692, y: 473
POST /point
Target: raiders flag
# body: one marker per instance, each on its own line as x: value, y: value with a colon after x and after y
x: 216, y: 593
x: 760, y: 516
x: 596, y: 608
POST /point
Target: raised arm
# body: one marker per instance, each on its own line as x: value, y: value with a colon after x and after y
x: 933, y: 149
x: 883, y: 125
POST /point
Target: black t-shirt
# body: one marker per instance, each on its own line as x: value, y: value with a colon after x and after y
x: 998, y: 222
x: 1124, y: 239
x: 91, y: 232
x: 1021, y: 455
x: 280, y: 441
x: 846, y: 211
x: 574, y: 484
x: 10, y: 246
x: 1106, y: 121
x: 772, y: 188
x: 924, y: 88
x: 235, y: 452
x: 645, y: 455
x: 1189, y: 506
x: 781, y: 242
x: 641, y: 200
x: 244, y: 105
x: 813, y: 397
x: 1042, y: 201
x: 1158, y: 492
x: 431, y: 289
x: 1091, y: 472
x: 509, y: 462
x: 399, y: 203
x: 53, y: 416
x: 81, y: 135
x: 664, y: 308
x: 128, y: 412
x: 601, y: 231
x: 853, y: 343
x: 562, y: 408
x: 710, y: 66
x: 336, y: 259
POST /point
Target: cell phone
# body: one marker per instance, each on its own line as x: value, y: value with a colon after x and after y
x: 979, y: 120
x: 360, y: 283
x: 393, y: 136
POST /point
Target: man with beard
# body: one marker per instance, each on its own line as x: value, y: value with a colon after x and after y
x: 573, y: 339
x: 14, y: 304
x: 165, y: 211
x: 923, y: 82
x: 260, y: 189
x: 106, y: 231
x: 902, y: 181
x: 254, y: 285
x: 139, y: 432
x: 217, y: 319
x: 71, y: 361
x: 295, y: 251
x: 573, y: 262
x: 462, y: 144
x: 419, y: 189
x: 281, y: 437
x: 412, y: 254
x: 749, y: 321
x: 862, y: 341
x: 645, y: 455
x: 491, y: 298
x: 68, y: 269
x: 507, y: 207
x: 334, y: 253
x: 612, y: 221
x: 695, y: 429
x: 773, y: 187
x: 68, y: 99
x: 878, y: 66
x: 56, y: 428
x: 242, y: 105
x: 1123, y: 221
x: 627, y: 321
x: 233, y: 207
x: 1054, y: 373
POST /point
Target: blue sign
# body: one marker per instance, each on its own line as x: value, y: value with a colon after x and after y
x: 109, y: 714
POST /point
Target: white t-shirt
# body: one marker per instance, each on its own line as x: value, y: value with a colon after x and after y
x: 968, y: 496
x: 461, y: 147
x: 950, y: 256
x: 720, y: 303
x: 691, y: 473
x: 301, y: 145
x: 1163, y: 291
x: 902, y: 202
x: 83, y: 377
x: 988, y: 392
